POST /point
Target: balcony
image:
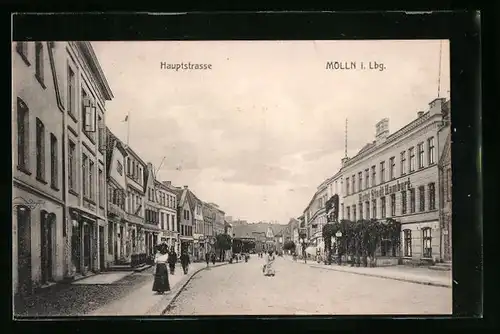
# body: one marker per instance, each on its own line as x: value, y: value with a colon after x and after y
x: 134, y: 219
x: 117, y: 211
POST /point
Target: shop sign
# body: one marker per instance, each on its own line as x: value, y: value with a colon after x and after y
x: 385, y: 190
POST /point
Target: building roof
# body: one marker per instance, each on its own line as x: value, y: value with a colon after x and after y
x: 112, y: 141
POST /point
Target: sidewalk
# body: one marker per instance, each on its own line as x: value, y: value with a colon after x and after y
x: 143, y: 301
x: 424, y: 276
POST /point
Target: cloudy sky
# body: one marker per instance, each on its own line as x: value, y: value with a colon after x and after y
x: 265, y: 126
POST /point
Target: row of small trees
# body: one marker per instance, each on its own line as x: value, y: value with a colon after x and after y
x: 360, y: 239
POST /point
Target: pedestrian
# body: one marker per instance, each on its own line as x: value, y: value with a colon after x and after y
x: 269, y: 266
x: 213, y: 259
x: 172, y: 260
x: 207, y: 258
x: 185, y: 262
x: 161, y: 283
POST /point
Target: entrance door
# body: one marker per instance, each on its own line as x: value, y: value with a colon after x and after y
x: 86, y: 247
x: 46, y: 226
x: 24, y: 250
x: 101, y: 249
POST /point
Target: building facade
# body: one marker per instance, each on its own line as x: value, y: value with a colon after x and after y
x: 199, y: 229
x: 168, y: 213
x: 208, y: 222
x: 38, y: 235
x: 85, y: 91
x: 134, y: 222
x: 185, y: 221
x: 445, y: 184
x: 116, y: 156
x: 152, y: 212
x: 396, y: 177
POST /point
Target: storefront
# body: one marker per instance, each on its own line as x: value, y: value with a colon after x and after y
x: 84, y: 231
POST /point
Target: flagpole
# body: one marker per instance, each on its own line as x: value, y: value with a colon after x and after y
x: 128, y: 128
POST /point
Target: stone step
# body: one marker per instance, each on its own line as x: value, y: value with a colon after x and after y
x: 120, y: 267
x: 441, y: 267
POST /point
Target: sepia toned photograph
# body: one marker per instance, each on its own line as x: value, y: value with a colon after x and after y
x: 191, y: 178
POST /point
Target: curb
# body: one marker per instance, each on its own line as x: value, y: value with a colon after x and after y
x: 441, y: 285
x: 162, y: 306
x: 142, y: 268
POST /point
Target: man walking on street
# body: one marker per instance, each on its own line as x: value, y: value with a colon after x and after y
x: 207, y: 258
x: 185, y: 262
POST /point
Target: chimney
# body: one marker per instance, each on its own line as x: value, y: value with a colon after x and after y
x: 436, y: 106
x: 185, y: 187
x: 420, y: 114
x: 382, y: 130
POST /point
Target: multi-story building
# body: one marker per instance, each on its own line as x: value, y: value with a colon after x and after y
x: 134, y: 222
x: 199, y: 227
x: 445, y: 184
x: 396, y: 176
x: 38, y: 235
x: 151, y: 212
x: 184, y: 220
x: 208, y: 222
x: 168, y: 213
x: 218, y: 227
x: 85, y: 92
x: 116, y: 155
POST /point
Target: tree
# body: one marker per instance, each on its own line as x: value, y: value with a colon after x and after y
x: 289, y: 245
x: 222, y: 243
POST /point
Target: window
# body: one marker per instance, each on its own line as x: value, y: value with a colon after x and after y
x: 353, y: 184
x: 383, y: 207
x: 430, y: 150
x: 101, y: 189
x: 71, y: 92
x: 367, y: 209
x: 407, y: 243
x: 392, y: 168
x: 72, y: 166
x: 23, y: 139
x: 393, y: 205
x: 348, y: 213
x: 88, y: 116
x: 360, y: 211
x: 85, y: 103
x: 39, y: 62
x: 374, y: 175
x: 320, y: 203
x: 421, y: 195
x: 128, y: 166
x: 341, y: 210
x: 403, y: 202
x: 374, y: 209
x: 354, y: 212
x: 432, y: 196
x: 403, y: 163
x: 91, y: 180
x: 420, y: 148
x: 40, y: 150
x: 412, y: 200
x: 382, y: 171
x: 101, y: 139
x: 360, y: 181
x: 427, y: 243
x: 387, y: 248
x: 367, y: 178
x: 347, y: 185
x: 412, y: 159
x: 54, y: 180
x: 84, y: 176
x: 22, y: 49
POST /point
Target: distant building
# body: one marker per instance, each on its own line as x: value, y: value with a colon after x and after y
x: 445, y: 184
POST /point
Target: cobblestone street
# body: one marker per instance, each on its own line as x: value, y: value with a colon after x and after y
x: 300, y: 289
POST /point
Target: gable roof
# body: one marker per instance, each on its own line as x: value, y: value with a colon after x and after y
x: 112, y: 141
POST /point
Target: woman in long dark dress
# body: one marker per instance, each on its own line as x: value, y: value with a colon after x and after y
x: 161, y: 283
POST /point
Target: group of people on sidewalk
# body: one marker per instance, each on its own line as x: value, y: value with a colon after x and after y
x: 163, y: 257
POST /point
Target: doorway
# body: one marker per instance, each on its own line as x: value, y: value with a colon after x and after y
x: 101, y: 249
x: 86, y: 247
x: 24, y: 250
x: 46, y: 232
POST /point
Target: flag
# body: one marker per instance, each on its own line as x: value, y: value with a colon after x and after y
x: 126, y: 119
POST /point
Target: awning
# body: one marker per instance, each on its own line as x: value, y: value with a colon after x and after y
x: 311, y: 250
